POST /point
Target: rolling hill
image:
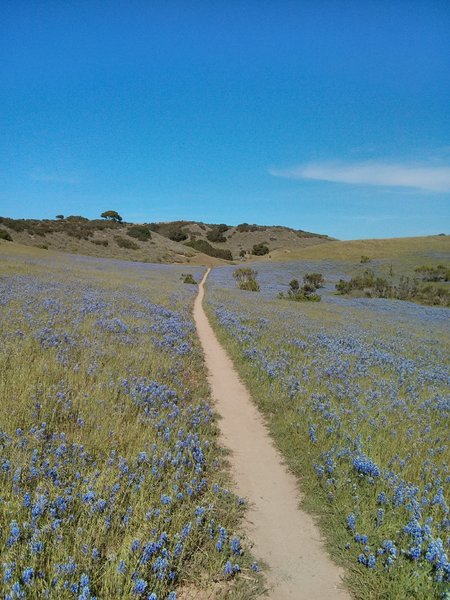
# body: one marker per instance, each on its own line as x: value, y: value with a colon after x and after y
x: 172, y: 242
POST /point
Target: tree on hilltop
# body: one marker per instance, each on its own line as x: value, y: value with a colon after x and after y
x: 112, y: 215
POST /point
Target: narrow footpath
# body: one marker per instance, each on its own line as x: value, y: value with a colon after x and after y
x: 284, y: 536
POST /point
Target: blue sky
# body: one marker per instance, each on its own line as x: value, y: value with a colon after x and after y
x: 329, y: 116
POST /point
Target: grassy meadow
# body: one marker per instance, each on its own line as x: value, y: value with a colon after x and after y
x: 355, y: 393
x: 112, y: 484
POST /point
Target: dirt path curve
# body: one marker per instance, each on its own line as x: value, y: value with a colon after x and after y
x: 284, y: 537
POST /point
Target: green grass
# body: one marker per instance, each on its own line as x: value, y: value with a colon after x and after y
x: 79, y: 339
x: 339, y: 369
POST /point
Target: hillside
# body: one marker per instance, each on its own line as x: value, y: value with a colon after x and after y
x: 433, y: 249
x: 173, y: 242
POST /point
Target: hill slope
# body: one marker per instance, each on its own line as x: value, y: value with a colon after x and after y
x: 435, y: 248
x: 174, y: 242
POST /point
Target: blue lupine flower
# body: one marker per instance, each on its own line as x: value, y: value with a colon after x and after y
x: 139, y: 587
x: 351, y: 522
x: 235, y: 545
x: 365, y: 466
x: 28, y: 575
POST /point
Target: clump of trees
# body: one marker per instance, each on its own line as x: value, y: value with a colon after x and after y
x: 367, y: 282
x: 260, y: 249
x: 206, y: 248
x: 439, y: 273
x: 216, y: 233
x: 246, y: 227
x: 176, y: 234
x: 140, y: 232
x: 112, y: 215
x: 371, y: 286
x: 246, y: 279
x: 306, y: 292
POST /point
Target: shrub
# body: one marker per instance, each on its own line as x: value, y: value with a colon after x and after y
x: 59, y: 217
x: 140, y: 232
x: 300, y: 294
x: 177, y: 235
x: 77, y: 218
x: 100, y: 242
x: 314, y: 279
x: 188, y: 278
x: 4, y: 235
x: 203, y: 246
x: 216, y: 235
x: 439, y: 273
x: 245, y: 227
x: 260, y: 249
x: 246, y: 279
x: 242, y: 253
x: 364, y: 259
x: 124, y: 243
x: 407, y: 289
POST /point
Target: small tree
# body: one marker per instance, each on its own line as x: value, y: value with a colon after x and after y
x: 246, y: 279
x: 260, y: 249
x: 216, y: 235
x: 188, y: 278
x: 299, y: 294
x: 60, y: 217
x: 294, y: 285
x: 112, y: 215
x: 364, y: 259
x: 314, y: 279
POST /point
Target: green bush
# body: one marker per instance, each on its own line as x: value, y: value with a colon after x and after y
x: 305, y: 293
x: 216, y: 235
x: 364, y: 259
x: 407, y: 289
x: 260, y: 249
x: 177, y: 235
x: 246, y: 279
x: 100, y: 242
x: 439, y: 273
x: 77, y: 218
x: 124, y: 243
x: 4, y: 235
x: 188, y: 278
x: 245, y: 227
x: 203, y: 246
x: 314, y: 279
x: 140, y: 232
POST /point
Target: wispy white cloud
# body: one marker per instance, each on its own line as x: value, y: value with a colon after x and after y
x: 419, y: 176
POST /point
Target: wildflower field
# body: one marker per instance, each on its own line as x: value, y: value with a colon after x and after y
x: 112, y: 484
x: 355, y: 393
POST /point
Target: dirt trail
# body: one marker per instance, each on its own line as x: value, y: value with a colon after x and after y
x: 284, y: 537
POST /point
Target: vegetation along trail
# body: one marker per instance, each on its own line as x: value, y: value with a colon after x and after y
x: 284, y: 537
